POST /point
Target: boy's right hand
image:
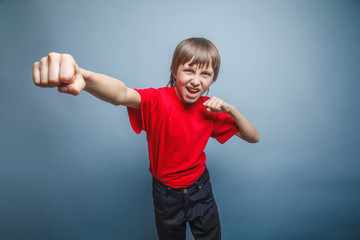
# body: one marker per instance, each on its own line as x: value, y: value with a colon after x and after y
x: 58, y: 70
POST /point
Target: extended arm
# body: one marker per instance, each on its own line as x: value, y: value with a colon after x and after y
x: 61, y: 71
x: 110, y: 89
x: 246, y: 130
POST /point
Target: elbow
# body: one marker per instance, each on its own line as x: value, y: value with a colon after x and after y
x: 116, y: 103
x: 254, y: 140
x: 249, y: 139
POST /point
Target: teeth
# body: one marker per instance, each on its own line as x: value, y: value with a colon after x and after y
x: 191, y: 90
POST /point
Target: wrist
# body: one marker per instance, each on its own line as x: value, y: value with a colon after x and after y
x: 87, y: 76
x: 231, y: 109
x: 85, y: 73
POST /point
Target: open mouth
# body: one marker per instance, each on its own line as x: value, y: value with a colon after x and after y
x: 192, y: 90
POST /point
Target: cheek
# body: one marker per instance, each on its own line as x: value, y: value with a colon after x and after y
x: 207, y: 83
x: 181, y: 80
x: 180, y: 89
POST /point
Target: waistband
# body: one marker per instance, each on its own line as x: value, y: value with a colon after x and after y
x: 197, y: 184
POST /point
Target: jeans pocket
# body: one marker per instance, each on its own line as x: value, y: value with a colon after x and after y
x: 158, y: 195
x: 206, y: 192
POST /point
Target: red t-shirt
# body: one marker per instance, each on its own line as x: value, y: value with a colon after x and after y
x: 177, y: 134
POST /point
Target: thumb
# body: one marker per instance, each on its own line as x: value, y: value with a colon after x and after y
x: 75, y: 87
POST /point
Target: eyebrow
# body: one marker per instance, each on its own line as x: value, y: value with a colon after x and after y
x: 208, y: 70
x: 194, y: 67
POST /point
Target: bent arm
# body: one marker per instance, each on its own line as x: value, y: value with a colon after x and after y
x: 246, y: 130
x: 110, y: 89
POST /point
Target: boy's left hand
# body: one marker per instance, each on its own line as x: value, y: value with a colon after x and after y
x: 216, y: 105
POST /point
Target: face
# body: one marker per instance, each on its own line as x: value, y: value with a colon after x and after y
x: 192, y: 82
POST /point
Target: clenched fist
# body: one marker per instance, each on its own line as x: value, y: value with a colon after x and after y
x: 216, y: 105
x: 58, y: 70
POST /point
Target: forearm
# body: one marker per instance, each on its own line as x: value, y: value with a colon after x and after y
x: 104, y: 87
x: 246, y: 130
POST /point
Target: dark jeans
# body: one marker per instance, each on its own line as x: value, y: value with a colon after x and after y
x: 194, y: 204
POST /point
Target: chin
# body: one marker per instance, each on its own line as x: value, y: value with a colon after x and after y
x: 189, y: 100
x: 192, y: 100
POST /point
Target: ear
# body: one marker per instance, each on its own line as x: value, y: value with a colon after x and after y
x: 173, y: 74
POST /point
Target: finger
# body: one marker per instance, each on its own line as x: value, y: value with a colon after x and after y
x: 63, y: 88
x: 53, y: 68
x: 213, y: 102
x: 208, y: 105
x: 210, y: 102
x: 36, y: 73
x: 67, y: 69
x: 215, y: 105
x: 218, y: 104
x: 43, y: 72
x: 77, y: 86
x: 205, y: 103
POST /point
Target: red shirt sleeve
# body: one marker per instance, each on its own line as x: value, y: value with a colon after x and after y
x: 140, y: 119
x: 224, y: 127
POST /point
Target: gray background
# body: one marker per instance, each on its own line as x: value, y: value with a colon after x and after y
x: 72, y: 168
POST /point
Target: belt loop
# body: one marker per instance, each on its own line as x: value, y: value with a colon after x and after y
x: 167, y: 191
x: 197, y: 185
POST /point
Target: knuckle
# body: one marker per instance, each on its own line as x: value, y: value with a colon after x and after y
x: 43, y: 60
x: 53, y: 55
x: 67, y: 57
x: 36, y: 65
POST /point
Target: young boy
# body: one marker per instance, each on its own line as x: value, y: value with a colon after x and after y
x: 178, y: 122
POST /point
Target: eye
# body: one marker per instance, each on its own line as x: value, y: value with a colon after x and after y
x: 206, y: 74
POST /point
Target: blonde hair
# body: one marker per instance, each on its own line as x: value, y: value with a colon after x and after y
x: 199, y: 51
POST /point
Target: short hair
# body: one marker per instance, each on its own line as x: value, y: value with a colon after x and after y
x: 200, y: 51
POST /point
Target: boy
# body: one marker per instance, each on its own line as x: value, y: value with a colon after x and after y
x: 178, y: 122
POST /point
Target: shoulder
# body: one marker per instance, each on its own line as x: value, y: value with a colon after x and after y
x: 153, y: 95
x: 153, y: 90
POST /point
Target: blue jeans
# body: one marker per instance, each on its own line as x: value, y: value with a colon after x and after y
x: 194, y: 204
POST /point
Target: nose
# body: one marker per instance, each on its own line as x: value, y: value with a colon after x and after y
x: 195, y: 81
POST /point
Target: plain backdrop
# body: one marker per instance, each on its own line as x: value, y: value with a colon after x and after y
x: 72, y: 168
